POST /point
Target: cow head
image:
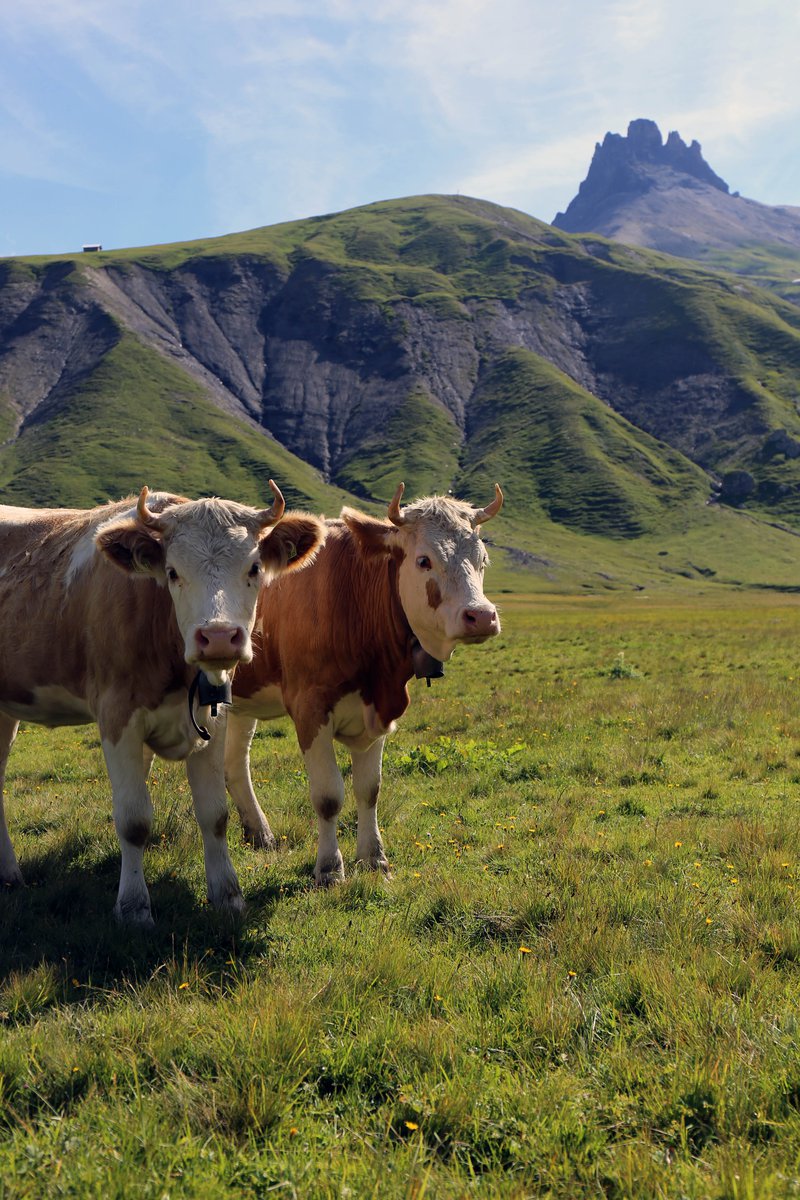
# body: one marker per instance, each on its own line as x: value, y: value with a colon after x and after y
x: 441, y: 560
x: 213, y: 555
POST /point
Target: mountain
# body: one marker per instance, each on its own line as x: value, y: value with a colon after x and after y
x: 443, y: 340
x: 664, y: 195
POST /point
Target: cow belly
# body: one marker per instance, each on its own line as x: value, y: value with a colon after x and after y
x: 49, y: 705
x: 356, y: 724
x: 264, y: 705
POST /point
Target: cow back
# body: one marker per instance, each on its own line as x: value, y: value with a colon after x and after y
x: 335, y: 628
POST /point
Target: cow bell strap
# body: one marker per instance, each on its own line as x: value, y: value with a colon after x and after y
x: 425, y: 665
x: 208, y: 695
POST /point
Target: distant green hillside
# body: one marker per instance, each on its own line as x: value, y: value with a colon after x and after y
x: 770, y: 265
x: 441, y: 340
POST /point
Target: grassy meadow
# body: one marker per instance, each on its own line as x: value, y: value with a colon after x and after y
x: 582, y: 979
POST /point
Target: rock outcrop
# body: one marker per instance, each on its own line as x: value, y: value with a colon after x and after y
x: 647, y: 192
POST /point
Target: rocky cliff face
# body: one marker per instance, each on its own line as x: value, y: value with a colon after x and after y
x: 646, y: 192
x: 320, y: 371
x: 52, y: 332
x: 319, y: 348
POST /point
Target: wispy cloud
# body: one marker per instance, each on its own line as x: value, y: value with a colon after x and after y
x: 554, y: 168
x: 281, y: 108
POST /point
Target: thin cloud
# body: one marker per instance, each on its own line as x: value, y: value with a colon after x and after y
x: 282, y: 108
x: 557, y: 161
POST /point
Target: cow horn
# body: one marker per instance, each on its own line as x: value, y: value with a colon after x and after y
x: 485, y: 514
x: 271, y: 516
x: 395, y: 516
x: 143, y: 512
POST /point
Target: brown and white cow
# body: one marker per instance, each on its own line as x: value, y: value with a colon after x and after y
x: 336, y: 647
x: 109, y: 615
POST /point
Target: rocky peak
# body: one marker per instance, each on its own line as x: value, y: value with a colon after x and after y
x: 632, y: 165
x: 643, y: 140
x: 689, y: 159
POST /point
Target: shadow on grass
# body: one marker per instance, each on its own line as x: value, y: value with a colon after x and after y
x: 63, y: 919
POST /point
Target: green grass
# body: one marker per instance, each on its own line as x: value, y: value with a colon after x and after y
x: 582, y: 979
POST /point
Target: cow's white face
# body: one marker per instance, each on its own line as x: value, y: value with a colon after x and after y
x: 441, y: 561
x: 440, y: 581
x: 213, y: 555
x: 213, y: 573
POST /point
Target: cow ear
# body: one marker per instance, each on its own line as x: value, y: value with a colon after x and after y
x: 372, y: 536
x: 292, y: 543
x: 132, y: 548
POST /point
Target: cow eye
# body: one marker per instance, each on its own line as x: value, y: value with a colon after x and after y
x: 424, y: 563
x: 254, y: 570
x: 172, y: 575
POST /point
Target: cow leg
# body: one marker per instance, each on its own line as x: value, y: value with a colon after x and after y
x: 327, y: 795
x: 238, y: 740
x: 205, y: 771
x: 10, y: 874
x: 133, y: 817
x: 367, y: 786
x: 147, y: 758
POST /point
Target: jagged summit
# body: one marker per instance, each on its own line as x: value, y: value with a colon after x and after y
x: 625, y: 167
x: 621, y: 159
x: 663, y: 194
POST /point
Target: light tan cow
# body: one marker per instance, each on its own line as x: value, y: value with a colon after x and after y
x: 336, y: 647
x: 111, y: 615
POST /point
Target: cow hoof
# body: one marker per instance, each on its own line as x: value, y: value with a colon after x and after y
x: 376, y: 862
x: 328, y: 873
x: 12, y: 879
x: 231, y: 904
x: 235, y: 906
x: 260, y: 839
x: 134, y: 914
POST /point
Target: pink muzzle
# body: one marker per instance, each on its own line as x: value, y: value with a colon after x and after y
x: 479, y: 622
x: 219, y: 643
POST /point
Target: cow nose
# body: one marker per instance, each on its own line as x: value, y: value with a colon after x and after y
x: 480, y: 622
x: 219, y: 641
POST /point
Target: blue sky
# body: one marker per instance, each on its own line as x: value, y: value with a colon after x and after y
x: 133, y: 122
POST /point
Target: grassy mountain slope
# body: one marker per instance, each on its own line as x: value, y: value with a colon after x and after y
x: 419, y: 446
x: 570, y: 457
x: 442, y: 340
x: 770, y: 265
x: 663, y: 337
